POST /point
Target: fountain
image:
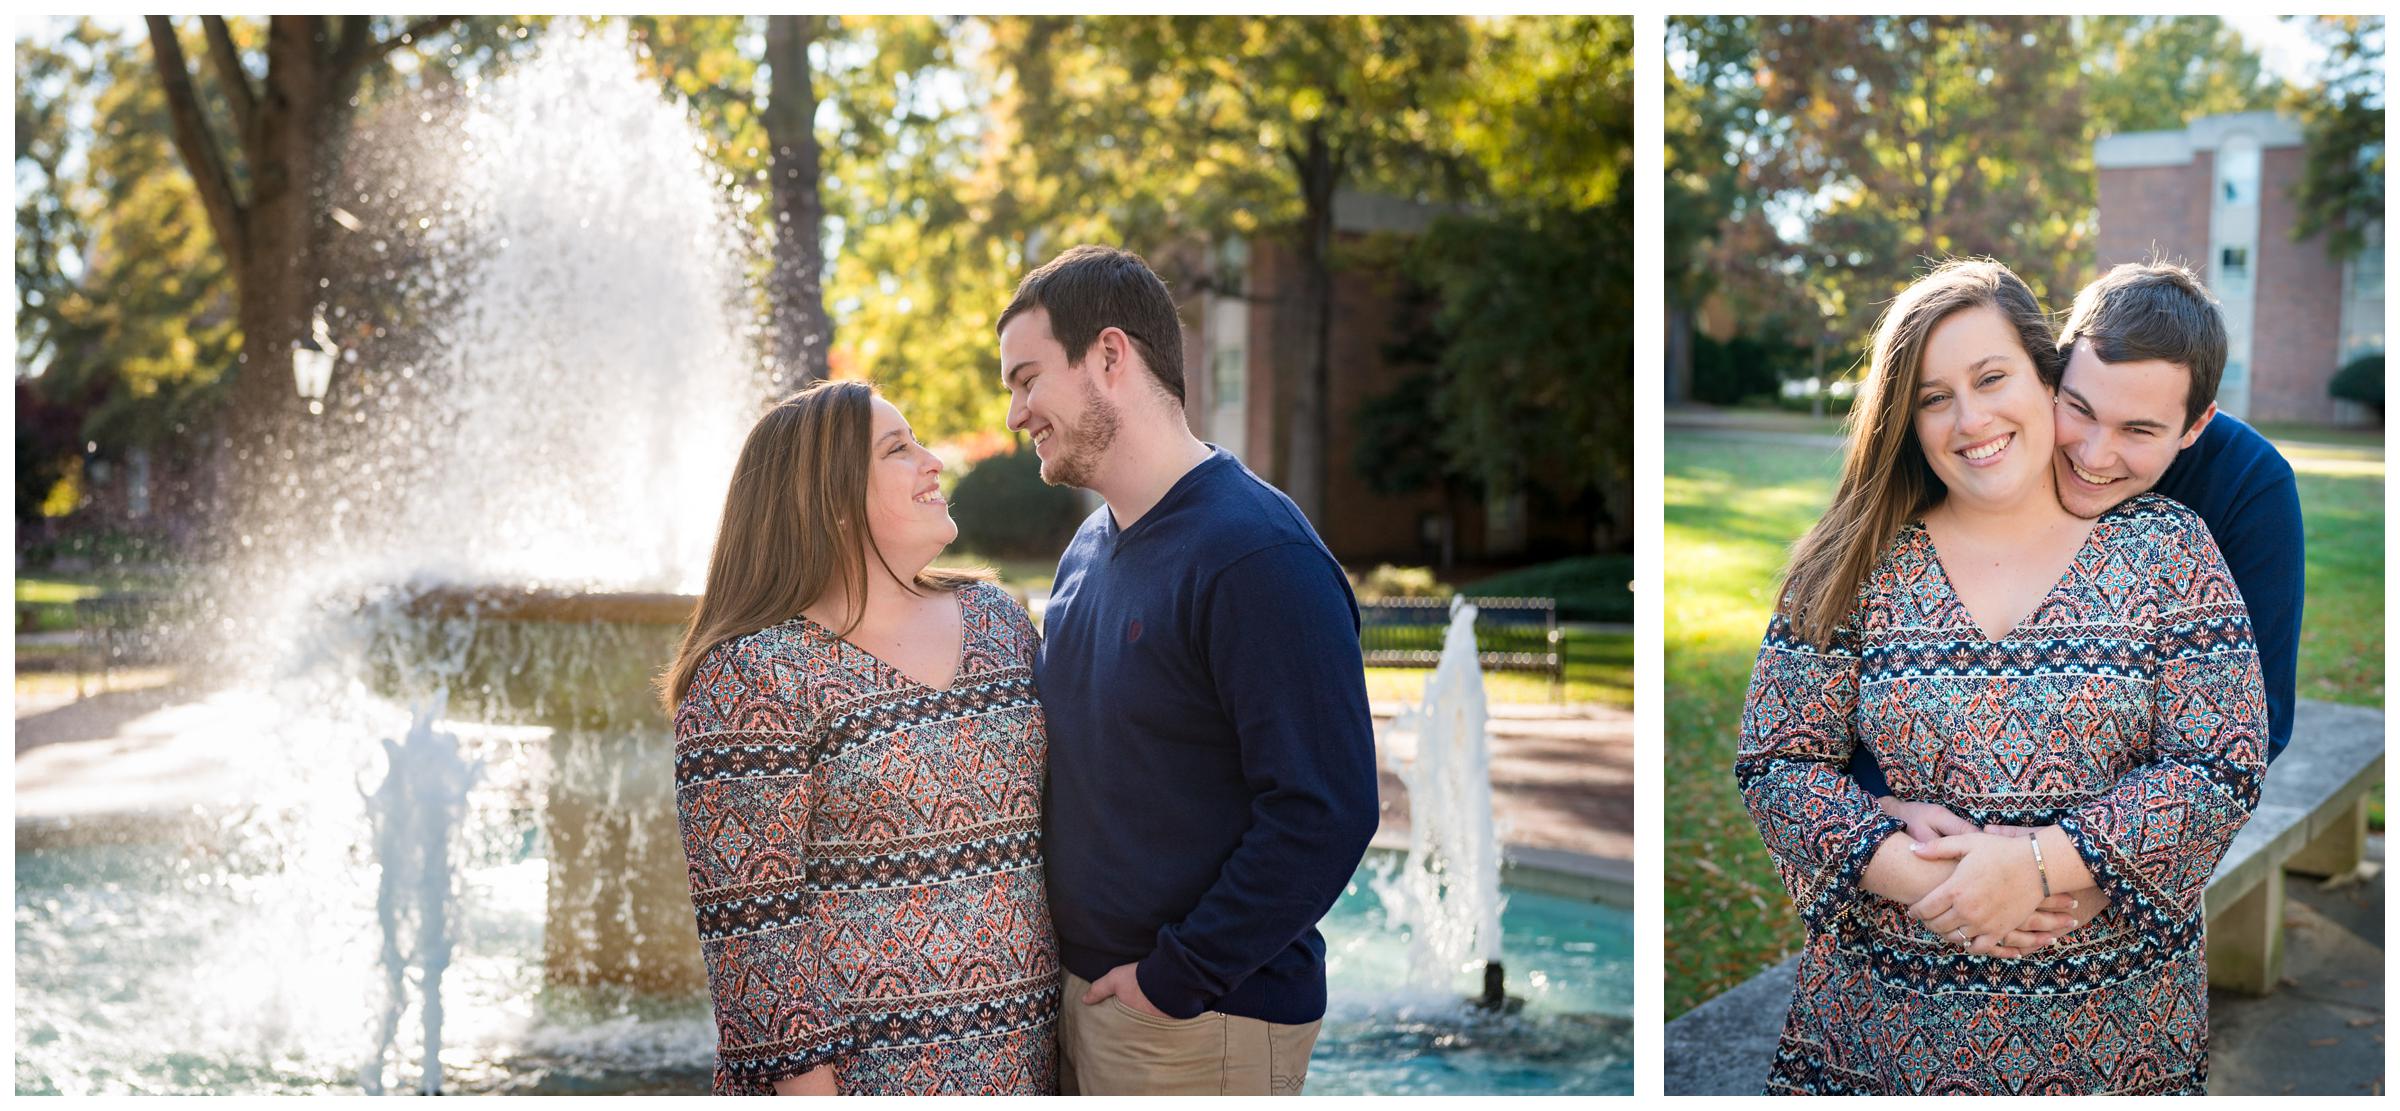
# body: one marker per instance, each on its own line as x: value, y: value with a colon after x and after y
x: 416, y: 814
x: 1447, y: 890
x: 519, y: 481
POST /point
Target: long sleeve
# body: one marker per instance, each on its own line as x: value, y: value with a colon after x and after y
x: 743, y: 799
x: 2153, y: 840
x: 1798, y: 732
x: 2264, y: 544
x: 1281, y: 641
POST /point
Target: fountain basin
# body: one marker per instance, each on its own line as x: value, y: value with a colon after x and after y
x: 146, y: 967
x: 583, y: 666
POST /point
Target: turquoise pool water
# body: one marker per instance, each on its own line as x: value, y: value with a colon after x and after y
x: 170, y: 968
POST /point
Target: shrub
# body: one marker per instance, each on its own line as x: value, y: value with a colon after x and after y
x: 1388, y: 581
x: 1004, y: 509
x: 2360, y: 380
x: 1589, y: 588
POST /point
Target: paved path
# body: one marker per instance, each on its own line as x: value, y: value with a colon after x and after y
x: 1562, y: 778
x: 2322, y: 1032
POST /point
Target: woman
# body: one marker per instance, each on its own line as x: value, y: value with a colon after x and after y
x: 859, y: 763
x: 2093, y: 682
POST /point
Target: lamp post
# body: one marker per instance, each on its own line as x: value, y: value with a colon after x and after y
x: 312, y: 364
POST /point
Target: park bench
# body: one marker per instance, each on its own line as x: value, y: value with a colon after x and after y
x: 1511, y: 634
x: 118, y: 628
x: 2311, y: 819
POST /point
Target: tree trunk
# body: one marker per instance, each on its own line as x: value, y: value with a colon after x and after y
x: 288, y: 135
x: 1304, y: 467
x: 803, y: 333
x: 1679, y: 354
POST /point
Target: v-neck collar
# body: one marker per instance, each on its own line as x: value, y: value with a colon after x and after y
x: 1941, y: 570
x: 958, y: 669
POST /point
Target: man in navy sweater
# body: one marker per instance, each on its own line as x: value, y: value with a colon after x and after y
x: 2145, y: 350
x: 1212, y: 760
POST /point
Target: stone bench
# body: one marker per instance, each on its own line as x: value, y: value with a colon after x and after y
x: 2311, y: 819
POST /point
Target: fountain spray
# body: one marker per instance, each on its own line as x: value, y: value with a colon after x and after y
x: 416, y: 814
x: 1448, y: 890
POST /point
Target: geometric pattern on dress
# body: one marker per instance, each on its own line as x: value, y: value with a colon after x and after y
x: 865, y: 861
x: 2128, y: 709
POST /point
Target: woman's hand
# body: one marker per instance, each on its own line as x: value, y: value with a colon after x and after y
x: 1995, y: 889
x: 1898, y: 874
x: 815, y: 1082
x: 1926, y: 821
x: 2049, y: 921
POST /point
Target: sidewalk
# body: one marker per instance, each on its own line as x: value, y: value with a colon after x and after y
x: 1562, y: 778
x: 2322, y: 1032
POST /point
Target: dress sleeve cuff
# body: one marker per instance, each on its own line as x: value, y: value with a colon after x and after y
x: 2127, y: 893
x: 754, y: 1069
x: 1837, y: 888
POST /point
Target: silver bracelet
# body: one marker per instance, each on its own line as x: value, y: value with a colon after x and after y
x: 2038, y: 866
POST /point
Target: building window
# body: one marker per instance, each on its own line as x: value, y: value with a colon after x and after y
x: 1232, y: 266
x: 1232, y: 367
x: 2233, y: 262
x: 2237, y: 171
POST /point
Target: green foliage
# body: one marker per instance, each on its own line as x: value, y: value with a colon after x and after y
x: 126, y: 318
x: 2360, y: 380
x: 1743, y: 368
x: 2340, y: 192
x: 1535, y: 372
x: 1816, y: 165
x: 2155, y: 73
x: 1389, y: 581
x: 1003, y: 508
x: 1588, y: 588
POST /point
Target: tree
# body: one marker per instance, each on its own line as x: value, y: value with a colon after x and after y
x: 1710, y: 99
x: 2158, y: 73
x: 125, y: 309
x: 259, y: 149
x: 2340, y: 192
x: 1535, y: 281
x: 1194, y: 115
x: 804, y: 336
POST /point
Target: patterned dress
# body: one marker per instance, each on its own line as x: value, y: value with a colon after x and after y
x: 2127, y: 710
x: 866, y: 863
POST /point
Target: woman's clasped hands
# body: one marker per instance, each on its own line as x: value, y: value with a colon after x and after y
x: 1992, y: 903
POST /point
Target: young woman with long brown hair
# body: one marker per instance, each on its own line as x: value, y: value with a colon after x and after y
x: 859, y: 762
x: 2085, y: 692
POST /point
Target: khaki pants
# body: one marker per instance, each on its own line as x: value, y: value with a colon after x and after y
x: 1110, y: 1049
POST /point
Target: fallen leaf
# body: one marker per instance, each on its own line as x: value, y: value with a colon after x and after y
x: 2359, y: 1023
x: 2323, y: 1042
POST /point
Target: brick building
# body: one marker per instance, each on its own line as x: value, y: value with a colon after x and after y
x: 1239, y: 336
x: 2216, y: 195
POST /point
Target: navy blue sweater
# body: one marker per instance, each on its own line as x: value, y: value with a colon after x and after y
x: 1212, y: 760
x: 2243, y: 490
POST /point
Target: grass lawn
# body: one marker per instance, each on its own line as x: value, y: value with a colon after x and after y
x: 50, y: 596
x: 1732, y: 507
x: 1599, y: 669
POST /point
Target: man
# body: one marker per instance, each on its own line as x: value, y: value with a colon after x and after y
x: 1212, y: 764
x: 2145, y: 350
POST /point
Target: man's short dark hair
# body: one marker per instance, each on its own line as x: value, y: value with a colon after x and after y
x: 1092, y: 287
x: 2153, y: 310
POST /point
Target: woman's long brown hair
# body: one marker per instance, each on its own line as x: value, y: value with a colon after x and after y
x: 1886, y: 481
x: 795, y: 523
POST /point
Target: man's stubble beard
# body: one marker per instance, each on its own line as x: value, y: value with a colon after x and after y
x: 1088, y: 441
